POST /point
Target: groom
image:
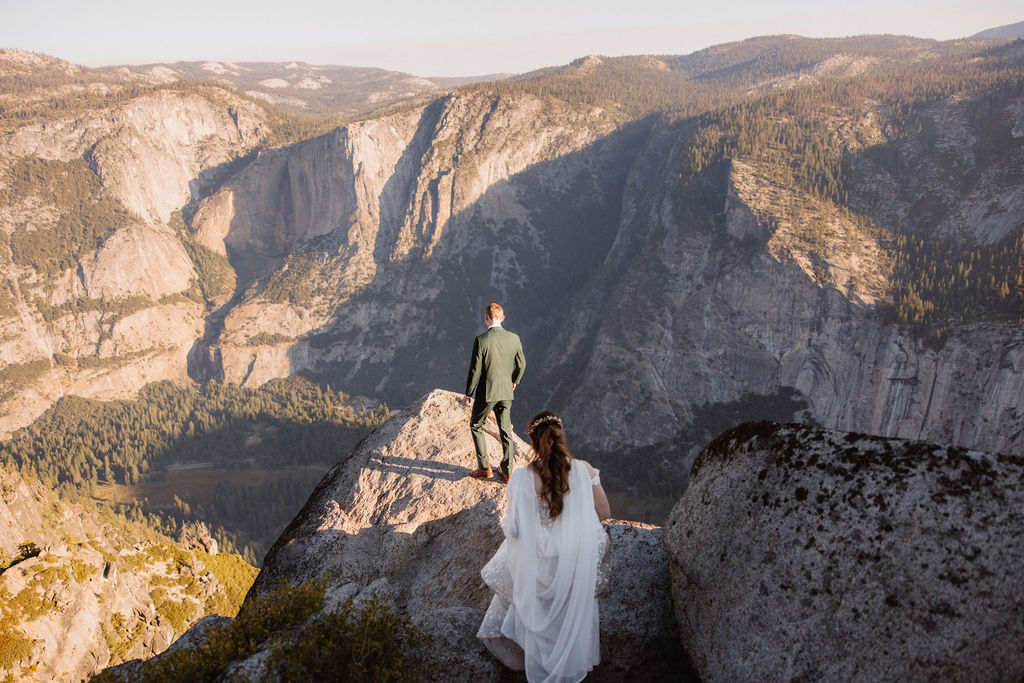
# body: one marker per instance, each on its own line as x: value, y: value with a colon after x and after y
x: 495, y: 368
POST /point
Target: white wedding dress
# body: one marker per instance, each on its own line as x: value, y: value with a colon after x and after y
x: 545, y: 577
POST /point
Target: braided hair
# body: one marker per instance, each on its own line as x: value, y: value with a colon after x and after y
x: 553, y: 459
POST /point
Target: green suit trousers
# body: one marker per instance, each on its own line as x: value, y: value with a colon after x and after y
x: 502, y: 413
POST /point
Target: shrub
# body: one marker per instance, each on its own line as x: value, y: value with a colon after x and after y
x: 177, y: 612
x: 368, y: 642
x: 269, y: 339
x: 8, y: 298
x: 81, y: 570
x: 14, y: 647
x: 215, y: 275
x: 294, y: 282
x: 120, y: 640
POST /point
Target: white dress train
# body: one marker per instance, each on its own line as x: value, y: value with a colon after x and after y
x: 545, y: 577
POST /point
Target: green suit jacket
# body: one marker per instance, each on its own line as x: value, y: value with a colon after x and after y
x: 496, y: 364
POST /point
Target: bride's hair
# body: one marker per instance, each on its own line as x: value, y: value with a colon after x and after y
x: 553, y: 458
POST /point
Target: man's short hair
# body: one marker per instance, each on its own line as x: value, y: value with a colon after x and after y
x: 495, y: 312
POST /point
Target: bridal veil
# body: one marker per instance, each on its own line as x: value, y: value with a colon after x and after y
x: 553, y: 564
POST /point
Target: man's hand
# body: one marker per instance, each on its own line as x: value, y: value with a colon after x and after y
x: 467, y: 401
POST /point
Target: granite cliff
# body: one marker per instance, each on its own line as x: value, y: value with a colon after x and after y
x: 660, y: 299
x: 99, y: 292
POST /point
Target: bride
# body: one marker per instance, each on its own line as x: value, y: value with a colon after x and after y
x: 545, y: 575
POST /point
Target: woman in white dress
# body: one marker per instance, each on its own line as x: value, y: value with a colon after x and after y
x: 545, y: 575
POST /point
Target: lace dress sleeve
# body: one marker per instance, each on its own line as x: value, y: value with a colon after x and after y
x: 604, y: 546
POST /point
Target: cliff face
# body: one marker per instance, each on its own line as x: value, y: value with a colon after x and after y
x: 646, y: 300
x: 83, y: 590
x: 405, y: 227
x: 706, y: 307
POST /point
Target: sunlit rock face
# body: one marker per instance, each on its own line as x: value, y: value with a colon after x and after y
x: 127, y: 309
x: 86, y: 590
x: 399, y: 514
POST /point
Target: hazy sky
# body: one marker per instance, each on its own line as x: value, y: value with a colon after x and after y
x: 454, y: 37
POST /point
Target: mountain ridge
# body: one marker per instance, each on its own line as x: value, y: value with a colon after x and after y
x: 1008, y: 32
x: 344, y: 91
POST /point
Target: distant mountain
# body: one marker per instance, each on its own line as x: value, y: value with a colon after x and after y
x: 309, y: 88
x: 1010, y: 31
x: 453, y: 81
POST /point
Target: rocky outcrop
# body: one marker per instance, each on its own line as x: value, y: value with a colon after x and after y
x: 804, y: 554
x: 399, y: 514
x: 82, y: 590
x: 139, y: 260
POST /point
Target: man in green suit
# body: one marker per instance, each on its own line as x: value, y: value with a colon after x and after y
x: 495, y: 368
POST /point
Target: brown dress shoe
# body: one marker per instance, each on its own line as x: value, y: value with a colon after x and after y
x: 503, y: 474
x: 481, y: 473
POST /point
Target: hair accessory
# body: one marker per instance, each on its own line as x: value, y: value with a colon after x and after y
x: 545, y: 420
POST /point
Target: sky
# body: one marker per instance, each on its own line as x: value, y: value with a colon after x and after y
x: 454, y: 37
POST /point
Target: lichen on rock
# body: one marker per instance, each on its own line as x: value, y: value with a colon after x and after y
x: 802, y: 553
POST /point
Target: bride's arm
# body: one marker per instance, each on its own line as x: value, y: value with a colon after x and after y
x: 601, y: 506
x: 604, y: 510
x: 510, y: 523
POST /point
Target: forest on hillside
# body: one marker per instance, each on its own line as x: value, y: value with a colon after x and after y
x: 81, y: 445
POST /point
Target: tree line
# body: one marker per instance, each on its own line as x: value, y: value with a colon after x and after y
x: 80, y: 443
x: 85, y: 214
